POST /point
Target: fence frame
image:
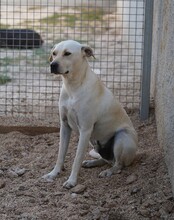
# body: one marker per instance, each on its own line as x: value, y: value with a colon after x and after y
x: 147, y: 56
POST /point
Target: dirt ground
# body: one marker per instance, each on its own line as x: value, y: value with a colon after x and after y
x: 141, y: 191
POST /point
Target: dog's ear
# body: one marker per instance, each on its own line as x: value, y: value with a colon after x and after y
x: 87, y: 51
x: 50, y: 59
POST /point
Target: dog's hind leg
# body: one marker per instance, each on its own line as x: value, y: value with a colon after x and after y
x: 117, y: 163
x: 111, y: 171
x: 124, y: 153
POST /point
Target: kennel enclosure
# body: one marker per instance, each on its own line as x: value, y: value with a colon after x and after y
x: 114, y: 29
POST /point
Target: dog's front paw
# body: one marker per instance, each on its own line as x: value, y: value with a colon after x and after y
x: 69, y: 184
x: 49, y: 177
x: 106, y: 173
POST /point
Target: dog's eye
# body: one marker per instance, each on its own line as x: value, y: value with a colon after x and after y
x: 67, y: 53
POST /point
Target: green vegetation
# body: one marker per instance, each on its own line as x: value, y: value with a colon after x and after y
x: 39, y: 57
x: 68, y: 19
x: 4, y: 26
x: 6, y: 61
x: 37, y: 7
x: 51, y: 19
x: 39, y: 52
x: 4, y: 79
x: 10, y: 61
x: 84, y: 16
x: 81, y: 17
x: 92, y: 14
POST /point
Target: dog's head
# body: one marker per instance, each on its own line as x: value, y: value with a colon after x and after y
x: 67, y: 56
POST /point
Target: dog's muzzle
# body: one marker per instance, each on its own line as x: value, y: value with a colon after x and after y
x: 54, y: 67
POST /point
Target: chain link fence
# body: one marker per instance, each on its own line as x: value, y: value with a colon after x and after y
x: 28, y: 31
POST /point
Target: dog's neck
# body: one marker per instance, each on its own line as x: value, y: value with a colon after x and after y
x: 74, y: 81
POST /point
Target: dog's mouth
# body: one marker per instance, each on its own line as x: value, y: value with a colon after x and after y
x: 66, y: 72
x: 58, y: 73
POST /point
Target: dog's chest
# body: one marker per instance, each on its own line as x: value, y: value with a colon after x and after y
x: 73, y: 119
x: 70, y: 115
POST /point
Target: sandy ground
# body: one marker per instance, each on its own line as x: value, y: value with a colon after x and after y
x: 141, y: 191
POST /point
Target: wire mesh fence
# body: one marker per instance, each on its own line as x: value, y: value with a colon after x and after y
x: 28, y: 31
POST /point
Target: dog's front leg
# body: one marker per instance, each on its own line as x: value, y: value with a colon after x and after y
x: 65, y: 133
x: 81, y: 149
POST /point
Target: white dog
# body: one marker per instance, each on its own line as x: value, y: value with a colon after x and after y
x: 89, y: 108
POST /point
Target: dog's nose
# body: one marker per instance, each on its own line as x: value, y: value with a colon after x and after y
x: 54, y: 67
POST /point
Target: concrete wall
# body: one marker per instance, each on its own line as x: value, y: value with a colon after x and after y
x: 163, y: 78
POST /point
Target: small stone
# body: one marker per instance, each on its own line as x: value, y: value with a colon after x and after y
x: 49, y: 143
x: 115, y: 196
x: 20, y: 171
x: 162, y: 212
x: 78, y: 189
x: 27, y: 216
x: 12, y: 174
x: 73, y: 195
x: 1, y: 173
x: 130, y: 179
x: 143, y: 164
x: 135, y: 190
x: 73, y: 217
x: 2, y: 184
x: 168, y: 207
x: 45, y: 200
x: 157, y: 214
x: 83, y: 212
x: 32, y: 200
x: 144, y: 212
x: 85, y: 207
x: 96, y: 213
x: 22, y: 188
x: 110, y: 205
x: 58, y: 193
x: 86, y: 195
x: 131, y: 202
x: 149, y: 203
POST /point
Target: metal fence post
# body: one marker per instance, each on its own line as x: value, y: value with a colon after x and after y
x: 147, y: 52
